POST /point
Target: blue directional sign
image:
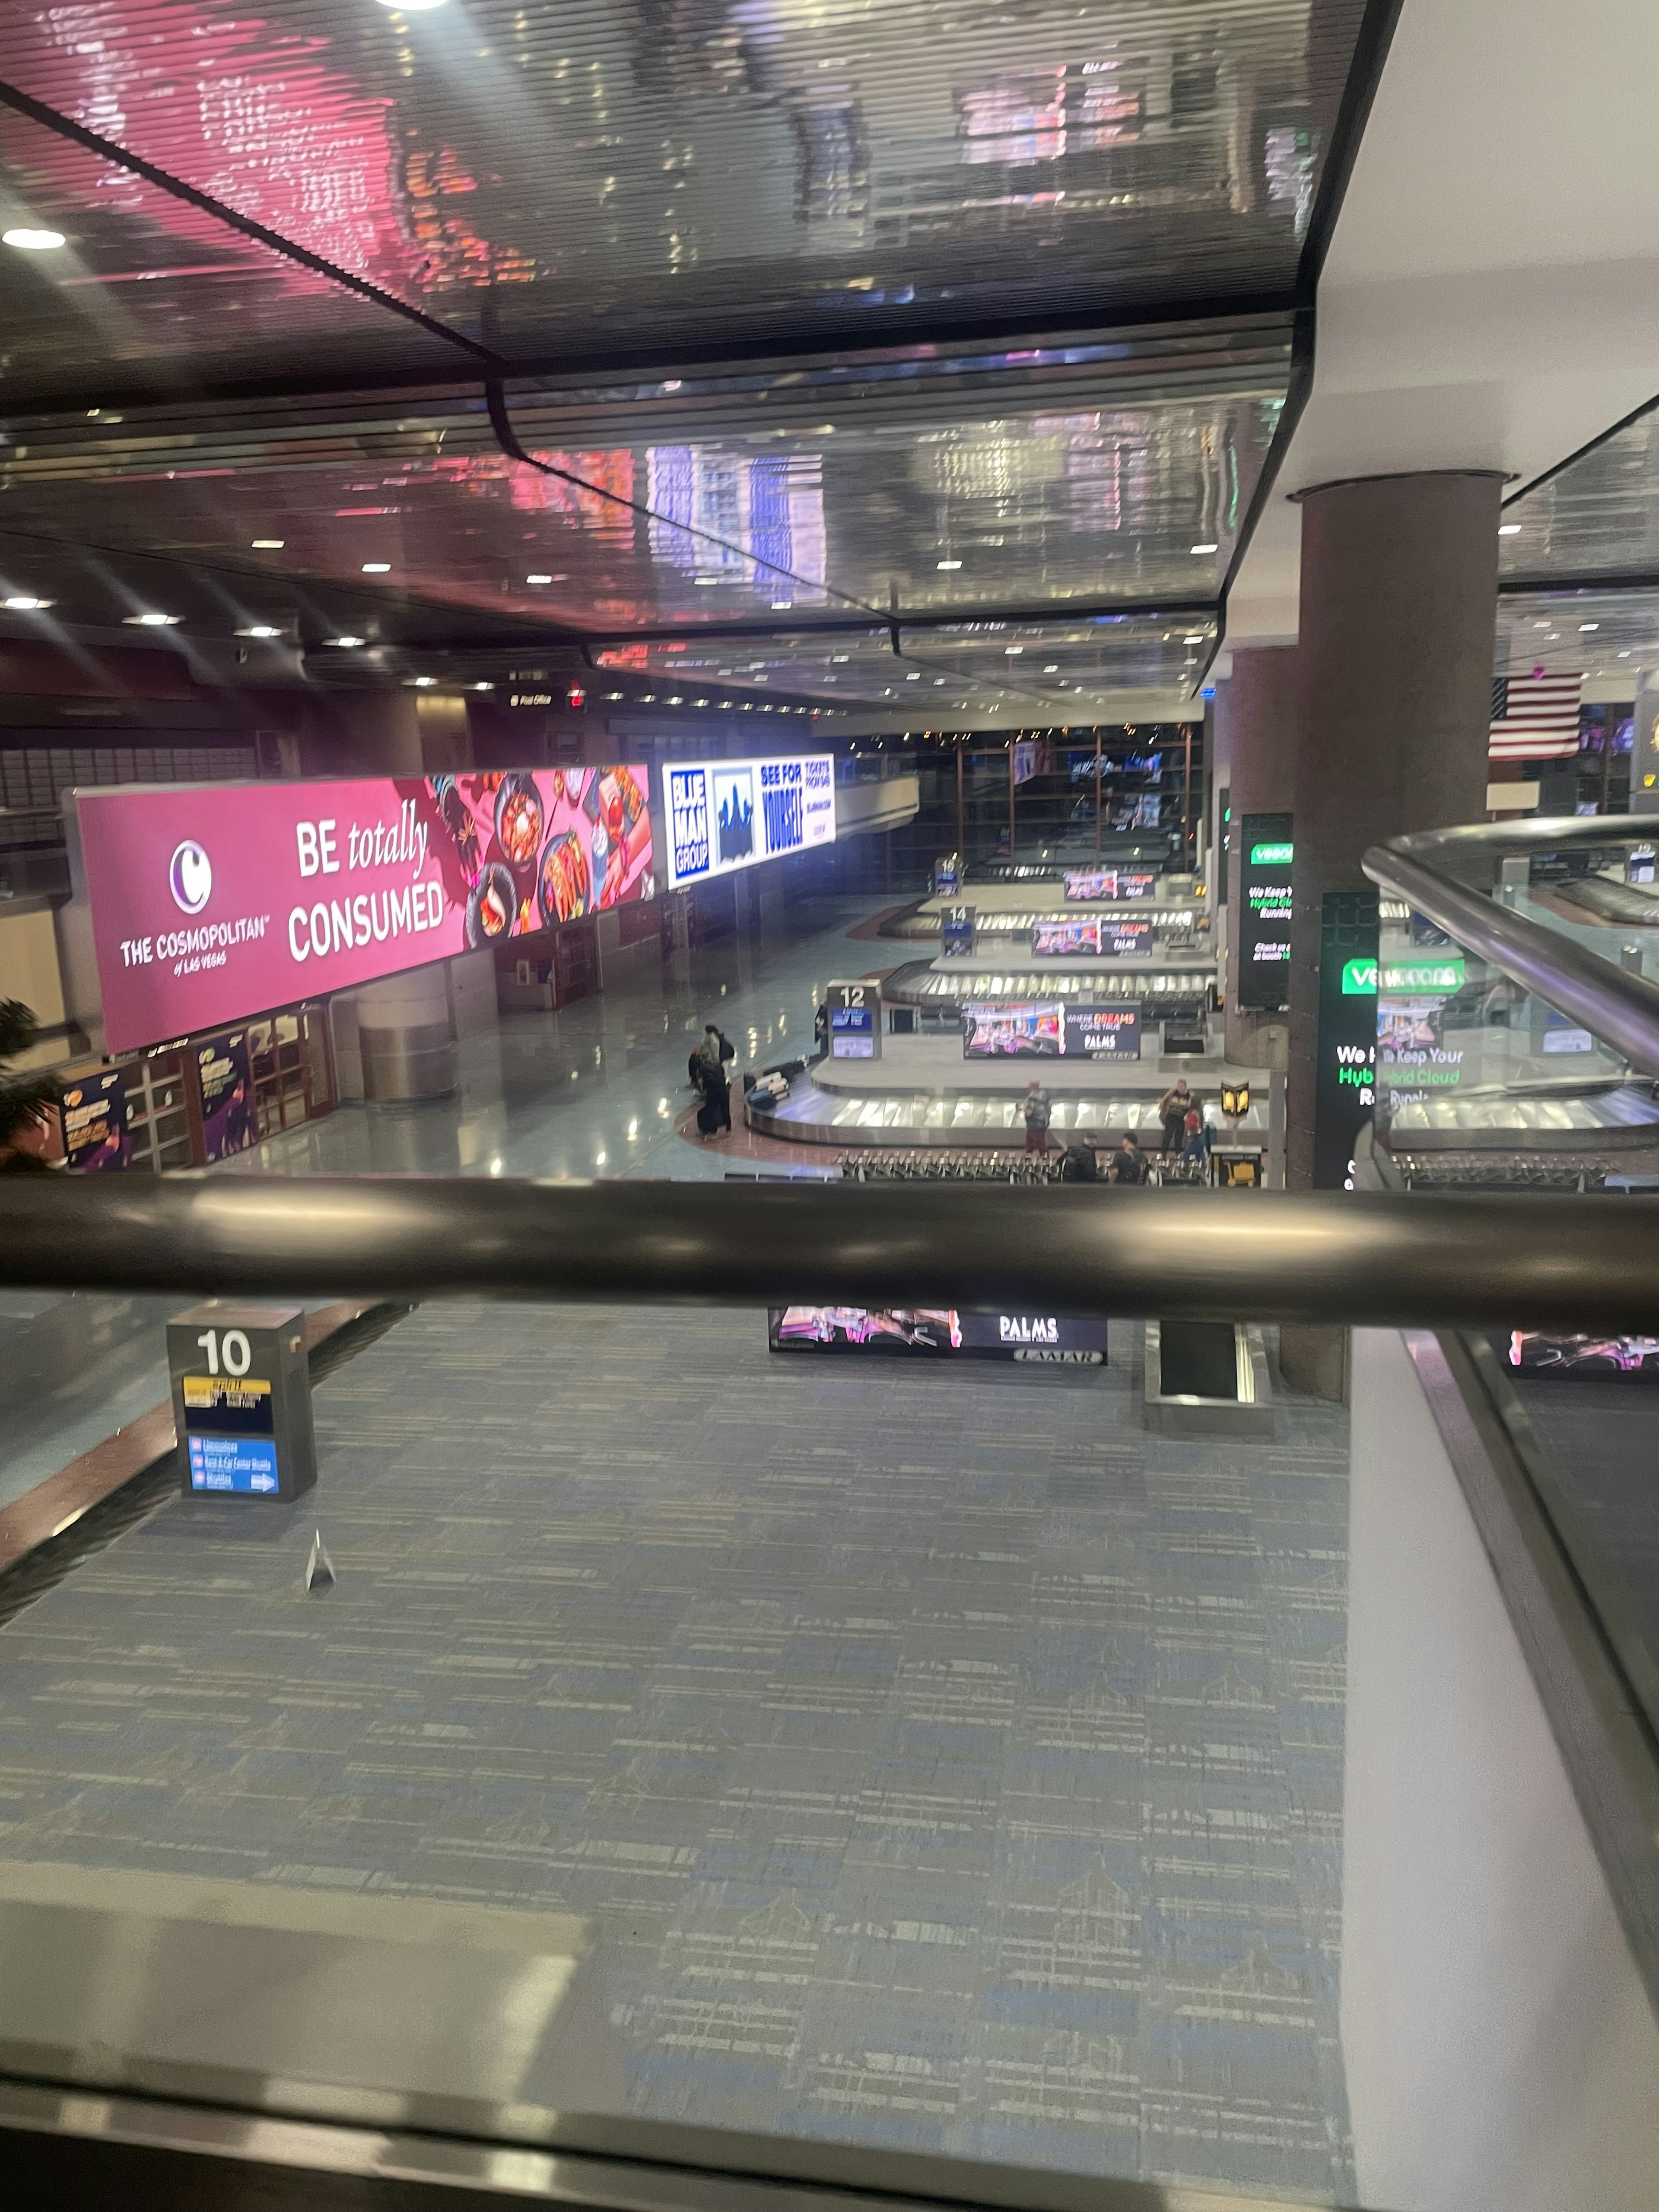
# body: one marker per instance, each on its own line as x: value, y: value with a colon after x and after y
x: 245, y: 1464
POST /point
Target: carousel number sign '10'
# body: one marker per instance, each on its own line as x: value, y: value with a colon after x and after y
x: 211, y: 903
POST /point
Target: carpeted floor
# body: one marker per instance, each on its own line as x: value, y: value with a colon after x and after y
x: 948, y: 1762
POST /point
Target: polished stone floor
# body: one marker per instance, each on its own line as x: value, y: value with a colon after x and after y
x: 596, y: 1089
x: 947, y: 1761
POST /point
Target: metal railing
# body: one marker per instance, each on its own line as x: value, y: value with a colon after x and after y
x: 1453, y: 1259
x: 1620, y: 1008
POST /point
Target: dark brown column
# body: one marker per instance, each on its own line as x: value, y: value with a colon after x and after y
x: 1255, y: 736
x: 1398, y: 611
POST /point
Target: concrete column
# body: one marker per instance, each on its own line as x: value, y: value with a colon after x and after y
x: 1255, y: 722
x: 1399, y: 612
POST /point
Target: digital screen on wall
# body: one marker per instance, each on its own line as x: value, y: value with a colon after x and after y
x: 725, y: 814
x: 1050, y: 1031
x: 212, y: 901
x: 936, y: 1332
x: 1263, y: 977
x: 1083, y: 937
x: 1632, y: 1358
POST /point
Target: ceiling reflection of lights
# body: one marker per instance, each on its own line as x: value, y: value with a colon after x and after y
x: 23, y: 603
x: 538, y: 579
x: 424, y: 683
x: 377, y: 567
x: 1206, y: 548
x: 259, y: 630
x: 267, y: 545
x: 781, y: 606
x: 949, y: 564
x: 348, y: 640
x: 411, y: 7
x: 1509, y: 529
x: 151, y: 621
x: 483, y: 687
x: 28, y: 241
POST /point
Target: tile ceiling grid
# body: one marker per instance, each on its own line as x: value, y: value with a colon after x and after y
x: 607, y: 177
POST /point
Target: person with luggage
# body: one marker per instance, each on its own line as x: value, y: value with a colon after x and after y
x: 1077, y: 1162
x: 1037, y: 1109
x: 1173, y: 1108
x: 714, y: 1114
x: 1195, y: 1139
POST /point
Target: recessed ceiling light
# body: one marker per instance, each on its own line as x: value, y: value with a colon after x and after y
x: 259, y: 630
x: 914, y: 676
x: 647, y: 699
x: 424, y: 683
x: 348, y: 640
x: 1626, y: 654
x: 377, y: 567
x: 1206, y: 548
x: 1013, y: 648
x: 23, y: 604
x: 677, y: 701
x: 1509, y: 529
x: 33, y: 241
x: 483, y: 687
x: 1051, y: 668
x: 411, y: 7
x: 781, y: 606
x: 538, y: 579
x: 705, y: 580
x: 151, y: 622
x: 613, y: 695
x: 267, y: 545
x: 950, y: 564
x: 837, y: 658
x: 1588, y: 626
x: 700, y: 702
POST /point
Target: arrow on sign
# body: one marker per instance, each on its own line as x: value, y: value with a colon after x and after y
x: 263, y: 1482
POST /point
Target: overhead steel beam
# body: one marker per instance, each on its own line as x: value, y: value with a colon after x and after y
x: 1437, y: 1260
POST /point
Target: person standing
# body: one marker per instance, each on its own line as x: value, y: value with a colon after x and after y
x: 1173, y: 1108
x: 714, y: 1114
x: 1037, y: 1110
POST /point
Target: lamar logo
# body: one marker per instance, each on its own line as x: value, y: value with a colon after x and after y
x: 190, y: 878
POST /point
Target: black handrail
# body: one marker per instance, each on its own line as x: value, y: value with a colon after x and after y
x: 1451, y: 1259
x: 1621, y: 1009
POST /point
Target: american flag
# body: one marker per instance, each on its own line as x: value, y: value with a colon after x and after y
x: 1535, y: 717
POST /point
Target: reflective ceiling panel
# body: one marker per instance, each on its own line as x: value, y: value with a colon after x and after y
x: 1603, y: 633
x: 641, y: 179
x: 1600, y: 516
x: 996, y: 486
x: 1053, y: 671
x: 146, y: 290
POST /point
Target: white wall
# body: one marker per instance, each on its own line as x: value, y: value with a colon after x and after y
x: 1500, y: 2048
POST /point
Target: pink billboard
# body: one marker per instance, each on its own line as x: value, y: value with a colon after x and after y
x: 213, y: 902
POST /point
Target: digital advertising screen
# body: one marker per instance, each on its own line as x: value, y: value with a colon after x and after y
x: 725, y: 814
x: 1263, y: 966
x: 1345, y: 1086
x: 1632, y: 1358
x: 936, y: 1333
x: 96, y: 1135
x: 213, y: 902
x: 1046, y: 1031
x: 1111, y: 883
x: 224, y: 1070
x: 1084, y: 937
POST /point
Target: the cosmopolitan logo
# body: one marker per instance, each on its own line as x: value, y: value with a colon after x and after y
x: 190, y: 878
